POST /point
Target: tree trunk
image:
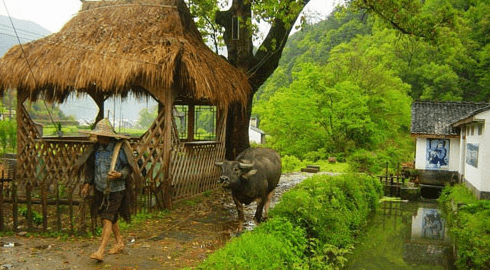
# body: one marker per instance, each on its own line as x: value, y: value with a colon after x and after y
x: 258, y: 67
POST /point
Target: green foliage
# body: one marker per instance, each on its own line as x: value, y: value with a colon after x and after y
x: 137, y: 219
x: 276, y: 244
x: 147, y: 116
x: 8, y: 135
x: 290, y: 164
x: 313, y: 227
x: 35, y: 216
x: 330, y: 208
x: 326, y: 256
x: 469, y: 220
x: 374, y: 162
x: 293, y: 164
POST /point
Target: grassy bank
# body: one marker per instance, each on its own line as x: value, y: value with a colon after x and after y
x: 469, y: 222
x: 313, y: 227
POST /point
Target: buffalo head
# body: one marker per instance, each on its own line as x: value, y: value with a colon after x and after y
x: 233, y: 171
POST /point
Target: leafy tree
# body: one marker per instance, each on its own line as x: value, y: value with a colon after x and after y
x: 147, y: 116
x: 258, y: 64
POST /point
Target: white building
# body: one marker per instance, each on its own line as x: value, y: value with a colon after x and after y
x: 255, y: 134
x: 474, y: 165
x: 450, y: 144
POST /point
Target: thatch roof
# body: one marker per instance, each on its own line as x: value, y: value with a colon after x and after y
x: 113, y: 47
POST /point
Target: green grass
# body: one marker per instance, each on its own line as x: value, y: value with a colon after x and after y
x: 293, y: 164
x: 313, y: 227
x: 50, y: 130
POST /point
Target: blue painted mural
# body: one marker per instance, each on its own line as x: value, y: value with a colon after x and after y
x: 437, y: 154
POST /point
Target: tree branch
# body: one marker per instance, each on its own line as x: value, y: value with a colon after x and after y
x: 270, y: 51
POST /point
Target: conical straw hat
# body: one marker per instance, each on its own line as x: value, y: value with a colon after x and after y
x: 104, y: 128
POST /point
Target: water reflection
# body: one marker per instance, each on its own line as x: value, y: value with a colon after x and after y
x: 403, y: 235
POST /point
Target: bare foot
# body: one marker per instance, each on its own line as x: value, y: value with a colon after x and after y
x: 97, y: 256
x: 116, y: 249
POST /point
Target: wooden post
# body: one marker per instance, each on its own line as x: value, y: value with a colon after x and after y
x: 191, y: 120
x: 15, y: 207
x: 44, y: 203
x: 29, y: 206
x: 70, y: 209
x: 58, y: 207
x: 21, y: 97
x: 99, y: 101
x: 1, y: 202
x: 167, y: 148
x: 386, y: 170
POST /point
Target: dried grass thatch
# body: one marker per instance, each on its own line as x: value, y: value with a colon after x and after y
x: 113, y: 47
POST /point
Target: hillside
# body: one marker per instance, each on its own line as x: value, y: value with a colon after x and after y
x: 26, y: 30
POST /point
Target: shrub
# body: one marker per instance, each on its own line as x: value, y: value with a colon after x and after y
x: 364, y: 161
x: 276, y: 244
x: 290, y: 163
x: 469, y: 222
x: 331, y: 208
x: 313, y: 227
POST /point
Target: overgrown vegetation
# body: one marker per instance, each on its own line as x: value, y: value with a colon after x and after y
x: 293, y: 164
x: 344, y: 86
x: 8, y: 136
x: 313, y: 227
x: 469, y: 220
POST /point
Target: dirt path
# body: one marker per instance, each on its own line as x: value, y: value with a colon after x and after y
x: 183, y: 238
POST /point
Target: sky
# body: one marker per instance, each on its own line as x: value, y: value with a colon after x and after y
x: 53, y: 14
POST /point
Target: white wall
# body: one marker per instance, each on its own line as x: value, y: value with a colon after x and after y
x: 479, y: 176
x: 421, y: 154
x: 420, y: 146
x: 254, y: 136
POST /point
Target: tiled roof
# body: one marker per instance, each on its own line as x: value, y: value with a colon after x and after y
x: 435, y: 118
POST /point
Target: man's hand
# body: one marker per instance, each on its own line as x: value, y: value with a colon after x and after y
x: 85, y: 188
x: 114, y: 175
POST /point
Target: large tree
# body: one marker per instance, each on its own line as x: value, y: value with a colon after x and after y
x: 238, y: 36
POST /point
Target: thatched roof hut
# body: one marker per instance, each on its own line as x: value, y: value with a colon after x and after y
x: 149, y: 48
x: 113, y: 47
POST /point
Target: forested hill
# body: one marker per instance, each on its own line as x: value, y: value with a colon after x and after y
x: 346, y: 84
x: 26, y: 30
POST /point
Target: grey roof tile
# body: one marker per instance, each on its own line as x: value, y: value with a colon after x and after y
x: 435, y: 118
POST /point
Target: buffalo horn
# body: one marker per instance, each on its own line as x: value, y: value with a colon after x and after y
x: 246, y: 165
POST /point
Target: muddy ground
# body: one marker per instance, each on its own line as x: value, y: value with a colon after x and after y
x: 182, y: 238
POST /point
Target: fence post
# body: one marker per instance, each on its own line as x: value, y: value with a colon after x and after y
x: 29, y: 205
x: 44, y: 202
x: 1, y: 202
x: 15, y: 208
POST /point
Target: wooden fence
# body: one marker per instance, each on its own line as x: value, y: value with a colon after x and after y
x: 44, y: 192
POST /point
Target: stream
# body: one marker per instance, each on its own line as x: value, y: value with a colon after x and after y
x: 403, y: 235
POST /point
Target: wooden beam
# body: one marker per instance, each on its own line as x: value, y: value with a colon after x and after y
x: 167, y: 149
x: 469, y: 120
x: 191, y: 119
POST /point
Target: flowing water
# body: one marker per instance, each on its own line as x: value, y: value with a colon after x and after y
x: 404, y: 235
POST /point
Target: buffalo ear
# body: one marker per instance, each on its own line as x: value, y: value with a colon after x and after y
x: 249, y: 173
x: 217, y: 163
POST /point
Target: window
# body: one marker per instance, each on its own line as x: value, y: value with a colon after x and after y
x: 472, y: 130
x: 195, y: 122
x: 480, y: 129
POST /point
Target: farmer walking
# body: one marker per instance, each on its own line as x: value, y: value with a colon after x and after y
x: 107, y: 169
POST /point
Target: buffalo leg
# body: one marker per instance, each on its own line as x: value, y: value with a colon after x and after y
x: 267, y: 203
x: 241, y: 216
x: 260, y: 208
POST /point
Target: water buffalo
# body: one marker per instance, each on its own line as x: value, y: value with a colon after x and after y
x: 253, y: 176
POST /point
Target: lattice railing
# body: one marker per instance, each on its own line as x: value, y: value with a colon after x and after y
x: 47, y: 183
